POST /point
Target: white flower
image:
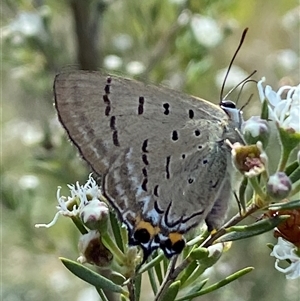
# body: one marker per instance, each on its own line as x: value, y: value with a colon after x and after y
x: 74, y: 204
x: 284, y: 110
x: 250, y: 160
x: 286, y: 251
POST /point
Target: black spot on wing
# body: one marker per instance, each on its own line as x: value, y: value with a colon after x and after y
x: 145, y: 159
x: 106, y: 98
x: 191, y: 114
x: 175, y: 136
x: 168, y: 159
x: 166, y: 106
x: 115, y: 138
x: 113, y: 123
x: 144, y: 184
x: 155, y: 191
x: 141, y: 105
x: 144, y: 146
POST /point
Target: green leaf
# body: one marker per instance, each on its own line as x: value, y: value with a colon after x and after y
x: 152, y: 280
x: 172, y: 291
x: 138, y: 285
x: 241, y: 232
x: 217, y: 285
x: 116, y: 228
x: 194, y: 276
x: 91, y: 277
x: 197, y: 287
x: 158, y: 271
x: 264, y: 110
x: 78, y: 223
x: 289, y: 140
x: 285, y: 206
x: 295, y: 175
x: 291, y: 168
x: 151, y: 263
x: 187, y: 272
x: 242, y: 192
x: 117, y: 278
x: 199, y: 254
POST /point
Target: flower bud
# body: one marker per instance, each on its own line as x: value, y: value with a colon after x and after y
x: 279, y: 186
x: 94, y: 215
x: 93, y: 251
x: 256, y: 129
x: 216, y: 250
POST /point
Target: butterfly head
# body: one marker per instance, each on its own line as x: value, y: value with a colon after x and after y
x: 234, y: 114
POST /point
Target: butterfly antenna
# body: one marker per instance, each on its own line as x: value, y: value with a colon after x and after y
x: 245, y: 80
x: 240, y: 92
x: 231, y: 62
x: 247, y: 102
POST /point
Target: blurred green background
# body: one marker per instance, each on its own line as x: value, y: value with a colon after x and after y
x: 183, y: 44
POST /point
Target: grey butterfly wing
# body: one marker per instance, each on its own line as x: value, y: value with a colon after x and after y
x: 148, y: 142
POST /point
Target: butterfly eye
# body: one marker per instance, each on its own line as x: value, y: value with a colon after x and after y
x: 227, y: 104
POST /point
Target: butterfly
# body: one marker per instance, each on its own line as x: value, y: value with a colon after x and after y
x: 161, y: 154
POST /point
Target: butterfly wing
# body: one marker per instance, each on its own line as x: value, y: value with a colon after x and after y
x: 160, y: 152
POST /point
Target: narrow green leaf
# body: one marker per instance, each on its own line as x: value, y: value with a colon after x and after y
x: 240, y: 232
x: 194, y: 276
x: 78, y: 223
x: 217, y: 285
x: 291, y: 168
x: 264, y: 110
x: 165, y: 263
x: 242, y: 192
x: 158, y: 272
x: 91, y: 277
x: 151, y: 263
x: 117, y: 278
x: 295, y: 175
x: 188, y: 271
x: 172, y: 291
x: 197, y: 287
x: 115, y: 225
x: 138, y: 285
x: 152, y: 280
x: 285, y: 206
